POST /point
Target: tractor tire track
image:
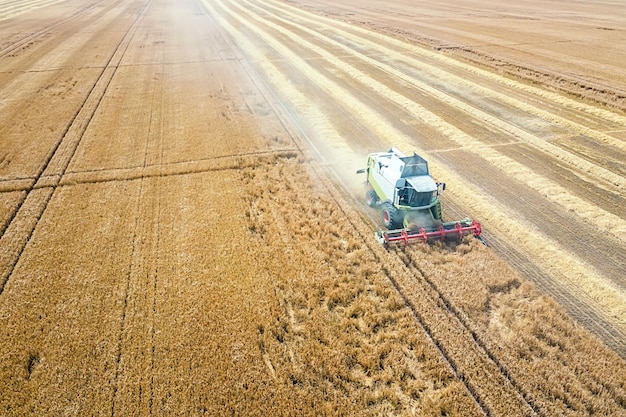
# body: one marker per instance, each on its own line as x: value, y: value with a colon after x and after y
x: 92, y: 11
x: 16, y: 52
x: 137, y: 322
x: 32, y: 37
x: 24, y: 221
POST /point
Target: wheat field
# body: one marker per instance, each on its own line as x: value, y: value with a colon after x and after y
x: 176, y: 240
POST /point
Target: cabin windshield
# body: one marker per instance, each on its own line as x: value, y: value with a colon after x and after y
x: 409, y: 197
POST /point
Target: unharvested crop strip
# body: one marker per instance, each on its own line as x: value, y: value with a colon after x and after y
x: 15, y: 239
x: 581, y: 278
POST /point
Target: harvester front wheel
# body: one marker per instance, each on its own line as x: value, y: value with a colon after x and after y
x: 392, y: 219
x: 371, y: 198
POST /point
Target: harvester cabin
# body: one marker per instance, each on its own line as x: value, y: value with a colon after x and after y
x: 404, y: 180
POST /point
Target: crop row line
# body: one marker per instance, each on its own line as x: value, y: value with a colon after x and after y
x: 146, y: 214
x: 156, y: 237
x: 23, y: 222
x: 94, y: 176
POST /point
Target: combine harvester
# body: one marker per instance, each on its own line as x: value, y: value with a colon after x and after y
x: 409, y: 198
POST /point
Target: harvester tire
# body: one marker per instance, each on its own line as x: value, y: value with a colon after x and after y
x: 392, y: 219
x: 371, y: 198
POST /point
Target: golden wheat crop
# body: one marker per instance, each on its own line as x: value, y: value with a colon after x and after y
x: 340, y: 326
x: 562, y: 368
x: 174, y: 250
x: 347, y: 286
x: 8, y: 204
x: 276, y: 303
